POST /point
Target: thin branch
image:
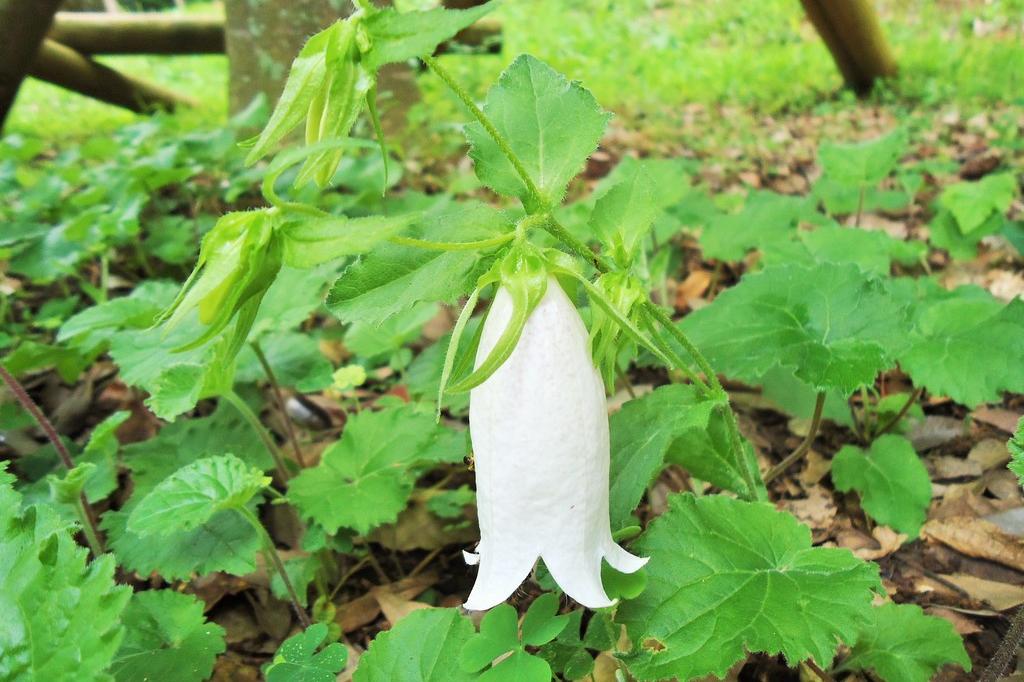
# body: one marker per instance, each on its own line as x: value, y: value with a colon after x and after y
x: 90, y: 527
x: 802, y: 449
x: 914, y: 397
x: 1009, y: 646
x: 279, y: 399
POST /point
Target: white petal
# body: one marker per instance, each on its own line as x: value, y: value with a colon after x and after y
x: 540, y: 440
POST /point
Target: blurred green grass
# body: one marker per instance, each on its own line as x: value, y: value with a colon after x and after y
x: 647, y: 57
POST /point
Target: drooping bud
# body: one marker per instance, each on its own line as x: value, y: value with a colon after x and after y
x: 623, y: 292
x: 238, y: 261
x: 326, y: 88
x: 539, y: 427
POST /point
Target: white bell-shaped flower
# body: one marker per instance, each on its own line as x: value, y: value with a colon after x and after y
x: 539, y: 427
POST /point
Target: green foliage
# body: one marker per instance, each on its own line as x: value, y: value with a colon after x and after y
x: 226, y: 542
x: 671, y: 419
x: 972, y: 204
x: 727, y: 576
x: 624, y: 214
x: 947, y: 329
x: 863, y: 164
x: 422, y: 647
x: 499, y: 635
x: 569, y: 654
x: 166, y: 638
x: 399, y: 36
x: 61, y: 617
x: 298, y: 658
x: 189, y: 497
x: 892, y: 481
x: 1016, y: 447
x: 900, y: 642
x: 834, y: 324
x: 364, y: 480
x: 394, y: 278
x: 552, y: 125
x: 766, y: 218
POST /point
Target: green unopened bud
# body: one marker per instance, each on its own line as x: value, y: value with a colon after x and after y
x: 523, y: 273
x: 334, y: 109
x: 622, y: 292
x: 327, y: 88
x: 238, y: 261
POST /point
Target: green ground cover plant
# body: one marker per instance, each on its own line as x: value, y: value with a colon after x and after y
x: 821, y: 313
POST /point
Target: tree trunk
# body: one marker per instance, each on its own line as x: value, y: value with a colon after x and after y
x: 148, y: 33
x: 853, y: 34
x: 263, y: 37
x: 63, y: 66
x: 23, y: 25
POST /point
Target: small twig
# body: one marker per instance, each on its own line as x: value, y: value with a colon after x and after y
x: 802, y: 449
x: 90, y: 528
x: 376, y: 564
x: 425, y: 562
x: 914, y: 397
x: 1009, y: 646
x: 348, y: 574
x: 279, y: 399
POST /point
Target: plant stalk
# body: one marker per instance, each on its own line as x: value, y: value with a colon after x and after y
x: 275, y: 558
x: 279, y: 399
x: 802, y: 449
x: 89, y: 526
x: 268, y: 442
x: 889, y: 425
x: 488, y: 125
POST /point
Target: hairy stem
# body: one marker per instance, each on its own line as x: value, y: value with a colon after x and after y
x: 275, y: 388
x: 268, y: 442
x: 453, y: 246
x: 889, y: 425
x: 668, y: 351
x: 275, y: 559
x: 90, y: 528
x: 802, y: 449
x: 702, y: 363
x: 749, y: 475
x: 479, y: 115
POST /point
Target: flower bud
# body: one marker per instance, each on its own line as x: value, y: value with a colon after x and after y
x: 238, y: 261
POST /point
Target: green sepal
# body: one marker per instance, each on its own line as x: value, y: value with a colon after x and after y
x: 601, y: 300
x: 453, y: 346
x: 238, y: 261
x: 623, y: 293
x: 524, y: 275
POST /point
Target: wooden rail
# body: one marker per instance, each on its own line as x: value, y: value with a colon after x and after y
x: 150, y: 33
